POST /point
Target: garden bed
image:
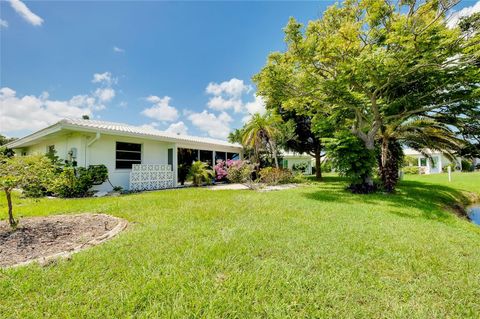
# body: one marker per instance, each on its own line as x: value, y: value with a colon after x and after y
x: 43, y: 239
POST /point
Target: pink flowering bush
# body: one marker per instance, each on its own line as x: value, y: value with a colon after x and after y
x: 220, y: 170
x: 235, y: 171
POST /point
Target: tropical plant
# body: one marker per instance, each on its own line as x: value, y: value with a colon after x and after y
x: 421, y: 133
x: 20, y: 172
x: 261, y: 133
x: 200, y: 173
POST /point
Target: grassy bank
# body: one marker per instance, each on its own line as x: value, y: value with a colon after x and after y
x: 315, y: 251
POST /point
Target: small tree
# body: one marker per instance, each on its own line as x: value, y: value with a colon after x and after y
x: 19, y: 172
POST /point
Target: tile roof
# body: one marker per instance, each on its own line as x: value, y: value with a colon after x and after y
x: 120, y: 128
x: 141, y: 130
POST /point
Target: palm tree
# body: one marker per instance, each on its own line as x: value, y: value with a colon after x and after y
x: 421, y: 134
x: 199, y: 173
x: 260, y: 132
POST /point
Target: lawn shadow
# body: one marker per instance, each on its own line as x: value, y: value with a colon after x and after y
x: 434, y: 201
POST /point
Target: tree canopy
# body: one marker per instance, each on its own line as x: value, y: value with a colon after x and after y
x: 372, y: 65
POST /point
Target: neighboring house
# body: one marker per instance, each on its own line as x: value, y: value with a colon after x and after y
x: 436, y: 162
x: 290, y: 159
x: 120, y: 147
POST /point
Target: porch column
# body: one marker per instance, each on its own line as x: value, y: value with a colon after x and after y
x: 175, y: 165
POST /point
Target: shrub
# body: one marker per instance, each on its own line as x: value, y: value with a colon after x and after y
x: 467, y: 166
x: 411, y: 170
x: 199, y: 173
x: 410, y: 161
x: 326, y: 166
x: 445, y: 168
x: 220, y: 170
x: 239, y: 171
x: 77, y: 181
x: 273, y: 175
x: 350, y: 157
x: 300, y: 167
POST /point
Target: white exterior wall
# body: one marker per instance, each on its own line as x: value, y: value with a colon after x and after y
x: 102, y: 151
x: 429, y: 169
x: 63, y: 145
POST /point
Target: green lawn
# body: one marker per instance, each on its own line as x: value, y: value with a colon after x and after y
x: 315, y: 251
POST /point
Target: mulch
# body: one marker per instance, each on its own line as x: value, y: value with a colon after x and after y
x: 42, y: 239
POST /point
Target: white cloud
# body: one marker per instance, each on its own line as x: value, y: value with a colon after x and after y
x: 161, y: 110
x: 30, y: 112
x: 105, y: 94
x: 234, y: 88
x: 35, y: 112
x: 25, y: 12
x: 3, y: 23
x: 256, y: 106
x: 455, y: 17
x: 221, y: 104
x: 105, y: 78
x: 227, y: 95
x: 118, y: 50
x: 178, y: 128
x: 214, y: 126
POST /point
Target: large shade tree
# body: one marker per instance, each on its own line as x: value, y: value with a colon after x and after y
x: 372, y: 63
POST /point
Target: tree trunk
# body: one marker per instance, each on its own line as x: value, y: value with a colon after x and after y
x: 11, y: 220
x: 318, y: 163
x: 275, y: 158
x: 370, y: 146
x: 389, y: 163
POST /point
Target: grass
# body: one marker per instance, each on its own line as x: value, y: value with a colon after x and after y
x: 314, y: 251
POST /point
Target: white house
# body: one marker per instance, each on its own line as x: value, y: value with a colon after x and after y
x: 290, y: 159
x: 433, y: 165
x: 136, y: 157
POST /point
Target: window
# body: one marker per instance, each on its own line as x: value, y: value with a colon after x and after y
x: 233, y: 156
x: 206, y: 157
x: 127, y: 154
x: 170, y: 157
x: 423, y: 162
x: 219, y: 156
x: 51, y: 149
x: 285, y: 163
x: 434, y: 161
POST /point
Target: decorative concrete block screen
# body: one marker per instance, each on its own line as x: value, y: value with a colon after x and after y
x: 150, y: 176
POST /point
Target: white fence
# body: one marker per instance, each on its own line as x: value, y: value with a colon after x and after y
x: 151, y: 176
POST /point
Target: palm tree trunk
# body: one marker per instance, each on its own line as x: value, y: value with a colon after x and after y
x: 274, y: 153
x: 389, y: 163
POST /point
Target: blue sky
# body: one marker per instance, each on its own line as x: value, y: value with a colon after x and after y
x: 178, y: 66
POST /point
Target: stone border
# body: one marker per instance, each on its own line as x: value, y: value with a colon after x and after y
x: 43, y: 261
